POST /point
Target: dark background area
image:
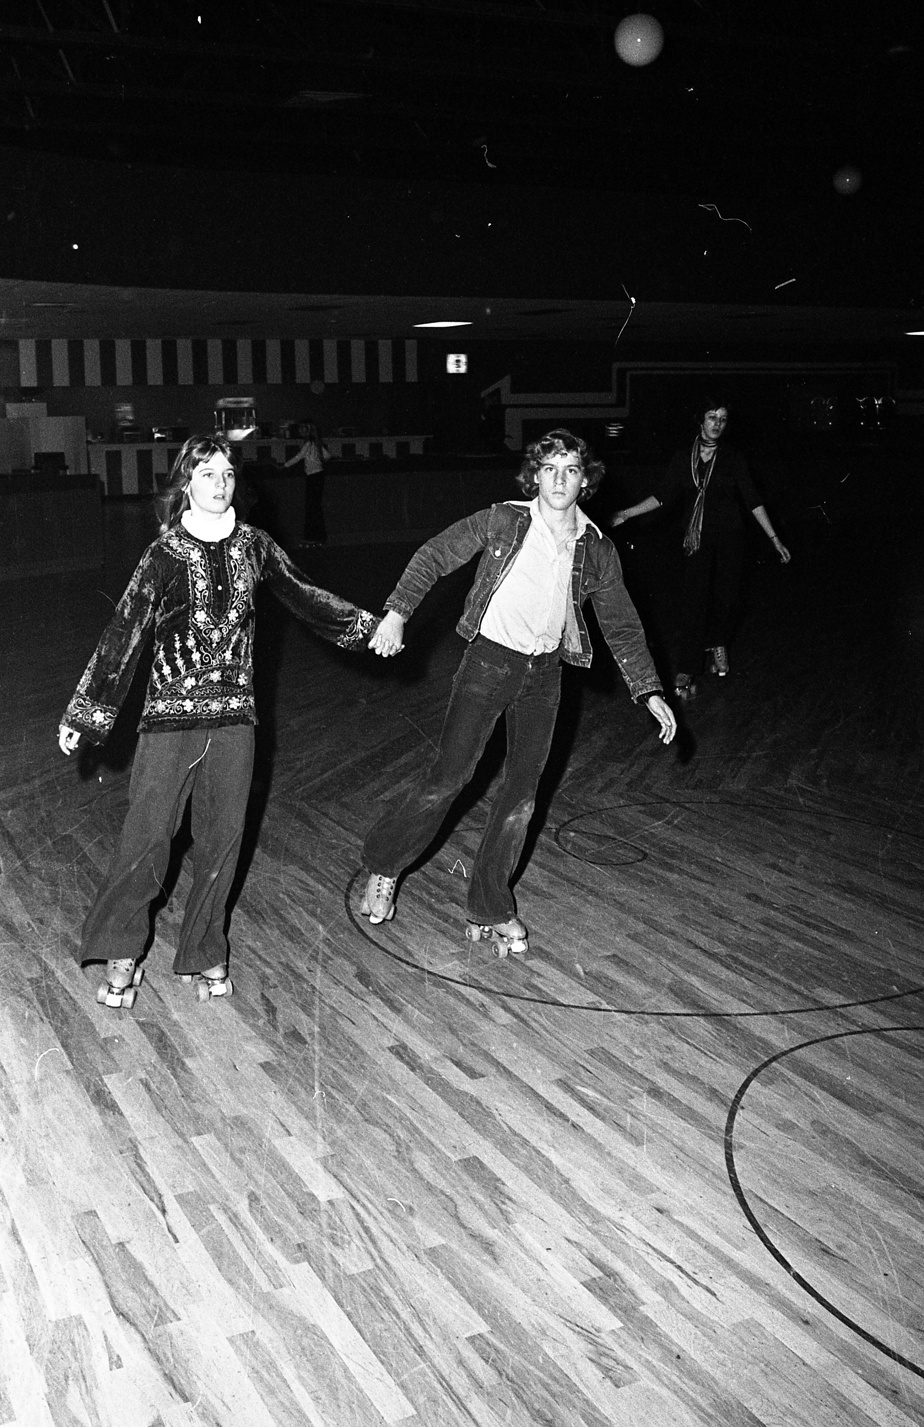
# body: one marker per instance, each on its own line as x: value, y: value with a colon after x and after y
x: 345, y: 169
x: 461, y: 146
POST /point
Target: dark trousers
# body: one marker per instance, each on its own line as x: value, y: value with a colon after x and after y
x: 491, y: 680
x: 708, y: 598
x: 212, y: 767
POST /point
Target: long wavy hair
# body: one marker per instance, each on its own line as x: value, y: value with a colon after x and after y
x: 557, y: 443
x: 173, y: 499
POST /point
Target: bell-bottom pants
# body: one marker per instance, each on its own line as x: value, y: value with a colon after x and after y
x: 491, y: 680
x: 212, y: 768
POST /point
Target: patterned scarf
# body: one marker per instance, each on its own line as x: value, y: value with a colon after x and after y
x: 701, y: 470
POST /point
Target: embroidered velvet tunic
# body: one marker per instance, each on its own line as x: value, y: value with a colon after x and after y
x: 198, y: 598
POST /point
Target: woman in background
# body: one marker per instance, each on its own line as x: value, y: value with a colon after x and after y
x: 712, y: 482
x: 313, y: 454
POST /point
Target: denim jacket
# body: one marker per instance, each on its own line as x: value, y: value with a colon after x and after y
x: 596, y: 575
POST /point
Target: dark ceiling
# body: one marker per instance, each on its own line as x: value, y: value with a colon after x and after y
x: 755, y: 97
x: 68, y: 310
x: 705, y: 176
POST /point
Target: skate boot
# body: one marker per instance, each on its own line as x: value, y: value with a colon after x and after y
x: 508, y: 937
x: 214, y: 982
x: 123, y: 977
x: 719, y: 662
x: 379, y: 899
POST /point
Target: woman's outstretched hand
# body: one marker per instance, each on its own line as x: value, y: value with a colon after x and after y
x: 388, y: 638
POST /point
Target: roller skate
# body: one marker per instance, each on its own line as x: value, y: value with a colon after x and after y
x: 719, y: 662
x: 508, y: 937
x: 379, y: 899
x: 123, y: 977
x: 684, y: 687
x: 214, y: 982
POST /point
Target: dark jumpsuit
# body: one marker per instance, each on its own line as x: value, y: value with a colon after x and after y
x: 711, y: 574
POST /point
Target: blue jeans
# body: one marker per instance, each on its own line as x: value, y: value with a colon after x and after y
x: 491, y: 680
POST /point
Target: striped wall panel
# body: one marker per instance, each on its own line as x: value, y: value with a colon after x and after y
x: 215, y: 361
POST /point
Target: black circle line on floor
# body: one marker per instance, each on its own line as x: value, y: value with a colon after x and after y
x: 755, y: 1223
x: 699, y: 804
x: 609, y: 1010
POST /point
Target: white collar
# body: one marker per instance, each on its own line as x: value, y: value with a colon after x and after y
x: 583, y: 521
x: 209, y: 530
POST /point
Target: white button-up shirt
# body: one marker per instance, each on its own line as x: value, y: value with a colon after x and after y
x: 527, y: 610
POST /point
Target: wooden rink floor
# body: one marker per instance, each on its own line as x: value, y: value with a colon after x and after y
x: 666, y: 1171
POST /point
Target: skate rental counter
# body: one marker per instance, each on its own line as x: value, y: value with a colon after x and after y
x: 366, y: 499
x: 132, y: 468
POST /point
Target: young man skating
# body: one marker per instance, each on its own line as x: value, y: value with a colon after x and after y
x: 541, y: 560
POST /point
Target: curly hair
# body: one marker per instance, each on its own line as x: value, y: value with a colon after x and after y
x: 557, y: 443
x: 173, y: 499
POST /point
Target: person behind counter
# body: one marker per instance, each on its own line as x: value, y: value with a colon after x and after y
x: 313, y: 454
x: 712, y: 482
x: 194, y: 587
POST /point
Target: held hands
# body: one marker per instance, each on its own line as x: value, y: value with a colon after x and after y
x: 619, y: 518
x: 68, y: 739
x: 664, y: 714
x: 388, y: 637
